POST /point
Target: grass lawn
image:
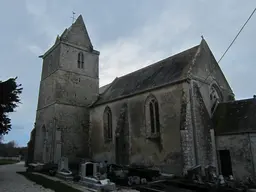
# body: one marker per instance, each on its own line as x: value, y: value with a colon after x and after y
x: 48, y: 183
x: 6, y: 162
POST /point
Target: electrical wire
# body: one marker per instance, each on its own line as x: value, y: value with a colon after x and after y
x: 230, y: 45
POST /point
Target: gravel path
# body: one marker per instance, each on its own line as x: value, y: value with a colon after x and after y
x: 10, y: 181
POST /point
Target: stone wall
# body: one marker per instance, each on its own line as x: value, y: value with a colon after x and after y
x: 197, y: 133
x: 241, y: 158
x: 45, y: 121
x: 73, y: 122
x: 187, y: 129
x: 69, y: 57
x: 202, y: 129
x: 66, y: 91
x: 253, y: 152
x: 75, y: 89
x: 63, y: 102
x: 47, y: 93
x: 31, y: 147
x: 164, y: 153
x: 206, y: 72
x: 51, y: 62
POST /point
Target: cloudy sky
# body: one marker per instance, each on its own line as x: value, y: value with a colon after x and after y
x: 129, y: 34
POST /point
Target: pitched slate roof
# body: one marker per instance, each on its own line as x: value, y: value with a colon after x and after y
x: 66, y: 33
x: 235, y: 117
x: 79, y: 23
x: 104, y: 88
x: 163, y: 72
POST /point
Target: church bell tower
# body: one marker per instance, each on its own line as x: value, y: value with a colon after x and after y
x: 69, y: 84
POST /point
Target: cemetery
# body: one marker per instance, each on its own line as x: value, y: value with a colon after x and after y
x: 95, y: 176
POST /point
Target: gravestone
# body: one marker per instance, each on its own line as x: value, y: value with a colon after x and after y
x: 89, y: 169
x: 63, y: 164
x: 63, y: 170
x: 221, y: 180
x: 210, y: 173
x: 90, y: 177
x: 195, y: 174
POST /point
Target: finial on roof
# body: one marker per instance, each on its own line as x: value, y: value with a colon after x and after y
x: 202, y: 36
x: 73, y: 17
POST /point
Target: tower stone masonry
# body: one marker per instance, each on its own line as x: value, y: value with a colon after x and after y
x: 69, y: 85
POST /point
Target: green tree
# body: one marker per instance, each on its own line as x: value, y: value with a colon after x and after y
x: 9, y: 100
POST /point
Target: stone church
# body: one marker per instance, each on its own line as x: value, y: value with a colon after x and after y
x: 160, y: 115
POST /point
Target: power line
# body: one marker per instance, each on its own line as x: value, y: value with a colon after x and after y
x: 237, y: 35
x: 230, y: 45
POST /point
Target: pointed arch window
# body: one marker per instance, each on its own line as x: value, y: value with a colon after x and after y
x: 215, y: 97
x: 154, y: 116
x: 80, y: 61
x: 107, y: 119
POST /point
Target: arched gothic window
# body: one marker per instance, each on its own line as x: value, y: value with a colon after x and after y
x: 80, y: 61
x: 107, y: 119
x: 152, y: 116
x: 215, y: 97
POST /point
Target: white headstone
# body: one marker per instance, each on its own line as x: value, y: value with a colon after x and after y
x: 221, y: 179
x: 63, y: 163
x: 83, y: 170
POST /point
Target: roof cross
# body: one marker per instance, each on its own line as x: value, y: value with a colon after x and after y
x: 73, y: 17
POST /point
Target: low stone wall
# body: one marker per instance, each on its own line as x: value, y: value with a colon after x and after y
x: 11, y: 158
